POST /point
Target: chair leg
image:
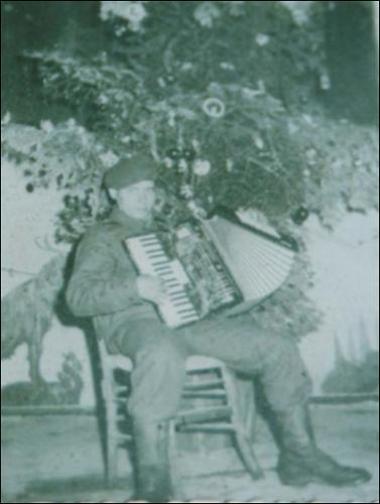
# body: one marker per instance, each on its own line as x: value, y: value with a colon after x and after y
x: 173, y: 462
x: 248, y: 456
x: 112, y: 445
x: 242, y: 421
x: 111, y: 462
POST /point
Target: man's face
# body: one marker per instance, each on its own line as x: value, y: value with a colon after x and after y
x: 137, y: 200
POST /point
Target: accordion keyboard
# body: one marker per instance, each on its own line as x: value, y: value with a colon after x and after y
x: 151, y: 259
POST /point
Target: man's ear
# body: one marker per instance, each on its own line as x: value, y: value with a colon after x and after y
x: 112, y: 194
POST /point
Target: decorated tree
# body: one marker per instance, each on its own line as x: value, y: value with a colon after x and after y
x: 226, y: 97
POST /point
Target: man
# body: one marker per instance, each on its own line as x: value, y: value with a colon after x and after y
x: 105, y: 287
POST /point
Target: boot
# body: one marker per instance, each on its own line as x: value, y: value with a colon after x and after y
x: 301, y: 462
x: 152, y: 462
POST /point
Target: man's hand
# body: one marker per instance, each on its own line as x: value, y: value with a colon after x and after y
x: 151, y: 288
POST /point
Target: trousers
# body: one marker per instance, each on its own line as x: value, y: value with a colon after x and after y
x: 159, y: 356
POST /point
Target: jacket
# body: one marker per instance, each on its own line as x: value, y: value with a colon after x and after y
x: 102, y: 285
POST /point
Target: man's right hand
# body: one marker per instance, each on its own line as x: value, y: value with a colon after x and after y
x: 151, y: 288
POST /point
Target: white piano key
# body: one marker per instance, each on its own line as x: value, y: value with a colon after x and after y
x: 151, y: 258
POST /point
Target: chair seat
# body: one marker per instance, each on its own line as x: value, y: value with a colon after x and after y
x: 200, y: 362
x: 193, y: 363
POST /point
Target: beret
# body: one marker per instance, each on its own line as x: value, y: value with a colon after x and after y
x: 130, y: 171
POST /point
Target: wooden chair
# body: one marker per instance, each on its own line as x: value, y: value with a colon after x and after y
x: 211, y: 404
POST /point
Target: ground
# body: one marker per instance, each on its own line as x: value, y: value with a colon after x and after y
x: 58, y: 459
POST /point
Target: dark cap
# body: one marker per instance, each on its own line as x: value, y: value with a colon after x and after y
x: 130, y: 171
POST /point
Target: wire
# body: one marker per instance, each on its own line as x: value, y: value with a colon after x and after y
x: 13, y: 271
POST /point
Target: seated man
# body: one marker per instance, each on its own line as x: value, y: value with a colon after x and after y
x: 104, y: 286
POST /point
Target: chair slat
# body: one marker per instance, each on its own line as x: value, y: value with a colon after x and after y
x: 204, y: 385
x: 204, y: 394
x: 204, y: 414
x: 206, y: 427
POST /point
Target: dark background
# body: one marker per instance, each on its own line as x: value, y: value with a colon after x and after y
x: 75, y: 26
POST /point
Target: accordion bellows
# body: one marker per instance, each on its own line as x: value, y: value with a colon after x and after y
x: 258, y: 264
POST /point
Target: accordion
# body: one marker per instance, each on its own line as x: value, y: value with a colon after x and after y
x: 212, y: 264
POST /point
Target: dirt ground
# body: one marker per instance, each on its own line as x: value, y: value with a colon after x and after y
x: 58, y: 459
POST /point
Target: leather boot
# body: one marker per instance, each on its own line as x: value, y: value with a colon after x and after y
x: 152, y: 462
x: 301, y: 462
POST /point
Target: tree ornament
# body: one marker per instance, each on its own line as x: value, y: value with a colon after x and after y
x: 187, y: 191
x: 300, y: 215
x: 188, y: 154
x: 206, y: 13
x: 170, y: 78
x: 174, y: 154
x: 182, y: 166
x: 214, y: 107
x: 201, y: 167
x: 168, y: 162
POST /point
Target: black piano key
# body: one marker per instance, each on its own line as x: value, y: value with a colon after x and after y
x: 159, y: 262
x: 186, y: 316
x: 179, y: 296
x: 156, y: 255
x: 168, y: 276
x: 155, y: 266
x: 171, y: 284
x: 163, y: 268
x: 148, y: 237
x: 186, y: 303
x: 173, y: 293
x: 177, y: 302
x: 190, y: 317
x: 186, y: 311
x: 150, y: 244
x: 153, y: 252
x: 184, y: 306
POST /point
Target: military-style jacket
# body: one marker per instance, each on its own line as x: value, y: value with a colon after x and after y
x: 103, y: 281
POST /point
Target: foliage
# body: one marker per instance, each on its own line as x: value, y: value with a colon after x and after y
x: 354, y: 378
x: 340, y: 166
x: 66, y: 390
x: 224, y: 96
x: 184, y: 78
x: 67, y: 158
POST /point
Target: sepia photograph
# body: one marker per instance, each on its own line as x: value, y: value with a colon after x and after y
x: 189, y: 251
